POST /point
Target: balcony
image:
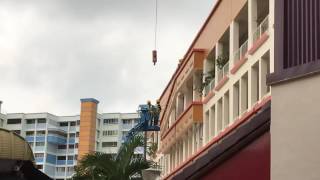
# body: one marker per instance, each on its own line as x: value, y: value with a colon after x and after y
x: 193, y: 63
x: 41, y: 126
x: 61, y: 162
x: 60, y: 173
x: 39, y: 148
x: 39, y: 159
x: 222, y: 76
x: 30, y: 126
x: 30, y: 138
x: 56, y: 140
x: 72, y: 140
x: 260, y: 35
x: 240, y: 57
x: 40, y: 138
x: 192, y: 114
x: 209, y: 87
x: 127, y: 126
x: 69, y: 162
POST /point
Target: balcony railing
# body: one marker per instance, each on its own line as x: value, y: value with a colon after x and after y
x: 262, y: 28
x: 224, y: 71
x: 241, y: 52
x: 209, y: 87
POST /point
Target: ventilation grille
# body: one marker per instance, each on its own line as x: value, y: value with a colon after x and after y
x: 301, y: 37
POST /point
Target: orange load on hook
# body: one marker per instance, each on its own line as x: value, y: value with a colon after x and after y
x: 154, y: 57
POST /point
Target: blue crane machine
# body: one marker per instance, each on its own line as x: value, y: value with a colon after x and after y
x: 148, y: 121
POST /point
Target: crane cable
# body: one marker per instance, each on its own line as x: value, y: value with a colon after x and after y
x: 154, y: 52
x: 156, y: 25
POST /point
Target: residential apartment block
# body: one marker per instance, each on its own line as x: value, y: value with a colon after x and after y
x: 218, y: 121
x: 58, y: 142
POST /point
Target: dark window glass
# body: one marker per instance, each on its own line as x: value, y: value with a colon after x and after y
x: 14, y: 121
x: 31, y: 121
x: 62, y: 147
x: 42, y: 120
x: 73, y: 123
x: 109, y: 144
x: 61, y: 158
x: 62, y: 124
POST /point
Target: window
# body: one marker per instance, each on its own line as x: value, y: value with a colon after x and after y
x: 98, y: 133
x: 75, y: 157
x: 70, y: 157
x: 71, y: 146
x: 63, y: 124
x: 109, y: 144
x: 77, y: 134
x: 76, y: 145
x: 60, y: 169
x: 62, y: 147
x: 41, y: 133
x: 110, y: 121
x: 38, y: 155
x: 78, y: 122
x: 72, y: 135
x: 16, y: 131
x: 30, y: 121
x: 73, y: 123
x: 98, y: 123
x: 39, y: 143
x: 126, y: 121
x: 110, y: 133
x: 14, y: 121
x: 29, y: 133
x: 97, y: 145
x: 70, y: 169
x: 61, y: 158
x: 41, y: 121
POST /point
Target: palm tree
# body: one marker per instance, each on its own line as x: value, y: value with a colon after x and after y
x: 123, y: 166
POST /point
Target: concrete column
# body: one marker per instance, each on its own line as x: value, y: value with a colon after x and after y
x: 206, y: 125
x: 185, y: 147
x: 235, y: 104
x: 253, y: 17
x: 226, y: 112
x: 196, y: 83
x: 194, y: 140
x: 212, y: 120
x: 190, y: 137
x: 234, y: 41
x: 249, y: 88
x: 231, y: 105
x: 243, y: 93
x: 263, y: 66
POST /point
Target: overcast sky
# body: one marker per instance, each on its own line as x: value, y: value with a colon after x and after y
x: 54, y: 52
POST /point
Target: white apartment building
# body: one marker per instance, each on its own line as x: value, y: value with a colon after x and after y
x: 55, y: 139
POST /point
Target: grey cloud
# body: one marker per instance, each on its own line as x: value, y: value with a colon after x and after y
x: 70, y: 49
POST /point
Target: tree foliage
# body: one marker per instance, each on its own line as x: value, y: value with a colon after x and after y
x: 123, y: 166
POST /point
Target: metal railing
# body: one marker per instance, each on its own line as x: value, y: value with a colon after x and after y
x: 209, y: 87
x: 241, y: 52
x: 224, y: 71
x: 262, y: 28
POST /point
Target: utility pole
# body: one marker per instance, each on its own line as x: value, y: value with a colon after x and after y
x: 145, y: 146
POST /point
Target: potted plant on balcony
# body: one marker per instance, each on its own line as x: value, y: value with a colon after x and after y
x: 221, y: 61
x: 207, y: 78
